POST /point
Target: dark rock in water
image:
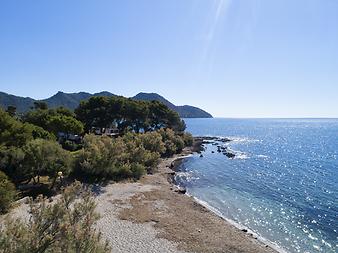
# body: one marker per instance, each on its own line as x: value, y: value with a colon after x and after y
x: 180, y: 190
x: 229, y: 154
x: 244, y: 230
x: 212, y: 151
x: 201, y: 155
x: 224, y: 140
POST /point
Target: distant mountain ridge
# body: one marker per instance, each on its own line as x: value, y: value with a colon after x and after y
x: 185, y: 111
x: 72, y: 100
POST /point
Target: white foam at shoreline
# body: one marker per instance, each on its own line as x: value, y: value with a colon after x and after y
x: 232, y: 222
x: 241, y: 139
x: 241, y: 157
x: 239, y: 226
x: 183, y: 156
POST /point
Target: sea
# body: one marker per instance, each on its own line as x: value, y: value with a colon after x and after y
x: 282, y: 184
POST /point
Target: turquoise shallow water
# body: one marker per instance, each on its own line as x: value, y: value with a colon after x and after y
x: 282, y: 184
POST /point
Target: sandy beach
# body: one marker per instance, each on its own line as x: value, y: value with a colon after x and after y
x: 152, y: 216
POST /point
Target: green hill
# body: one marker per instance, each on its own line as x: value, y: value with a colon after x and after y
x: 185, y: 111
x: 72, y: 100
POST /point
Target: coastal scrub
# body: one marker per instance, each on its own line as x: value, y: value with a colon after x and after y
x: 64, y: 226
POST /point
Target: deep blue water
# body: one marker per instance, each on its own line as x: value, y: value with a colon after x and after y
x: 283, y: 183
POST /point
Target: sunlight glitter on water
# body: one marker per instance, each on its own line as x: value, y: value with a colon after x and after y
x: 284, y: 189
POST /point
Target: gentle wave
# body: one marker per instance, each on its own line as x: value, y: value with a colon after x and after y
x: 242, y: 139
x: 239, y: 226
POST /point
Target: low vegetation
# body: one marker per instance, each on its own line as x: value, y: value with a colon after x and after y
x: 129, y: 156
x: 7, y: 193
x: 64, y: 226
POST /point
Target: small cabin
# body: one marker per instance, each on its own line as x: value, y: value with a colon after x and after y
x: 109, y: 131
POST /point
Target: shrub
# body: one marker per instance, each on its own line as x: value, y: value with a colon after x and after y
x: 64, y: 226
x: 179, y: 143
x: 137, y: 170
x: 36, y: 158
x: 153, y: 142
x: 170, y: 148
x: 121, y: 171
x: 100, y: 155
x: 129, y: 156
x: 11, y: 163
x: 45, y: 158
x: 143, y: 149
x: 151, y: 159
x: 7, y: 193
x: 172, y: 141
x: 188, y: 139
x: 124, y: 157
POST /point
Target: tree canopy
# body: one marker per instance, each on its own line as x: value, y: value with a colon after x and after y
x: 54, y: 120
x: 28, y: 147
x: 127, y: 114
x: 15, y: 133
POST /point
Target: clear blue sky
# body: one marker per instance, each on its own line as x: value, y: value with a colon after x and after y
x: 233, y: 58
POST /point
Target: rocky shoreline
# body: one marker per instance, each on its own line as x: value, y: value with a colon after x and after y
x: 198, y: 147
x: 220, y: 142
x: 180, y: 219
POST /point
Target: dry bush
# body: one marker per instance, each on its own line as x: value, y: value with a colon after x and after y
x: 64, y: 226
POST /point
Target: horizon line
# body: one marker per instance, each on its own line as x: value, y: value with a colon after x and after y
x: 266, y: 118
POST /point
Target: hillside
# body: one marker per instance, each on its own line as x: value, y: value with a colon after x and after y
x: 72, y: 100
x: 21, y: 103
x: 154, y: 96
x: 185, y: 111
